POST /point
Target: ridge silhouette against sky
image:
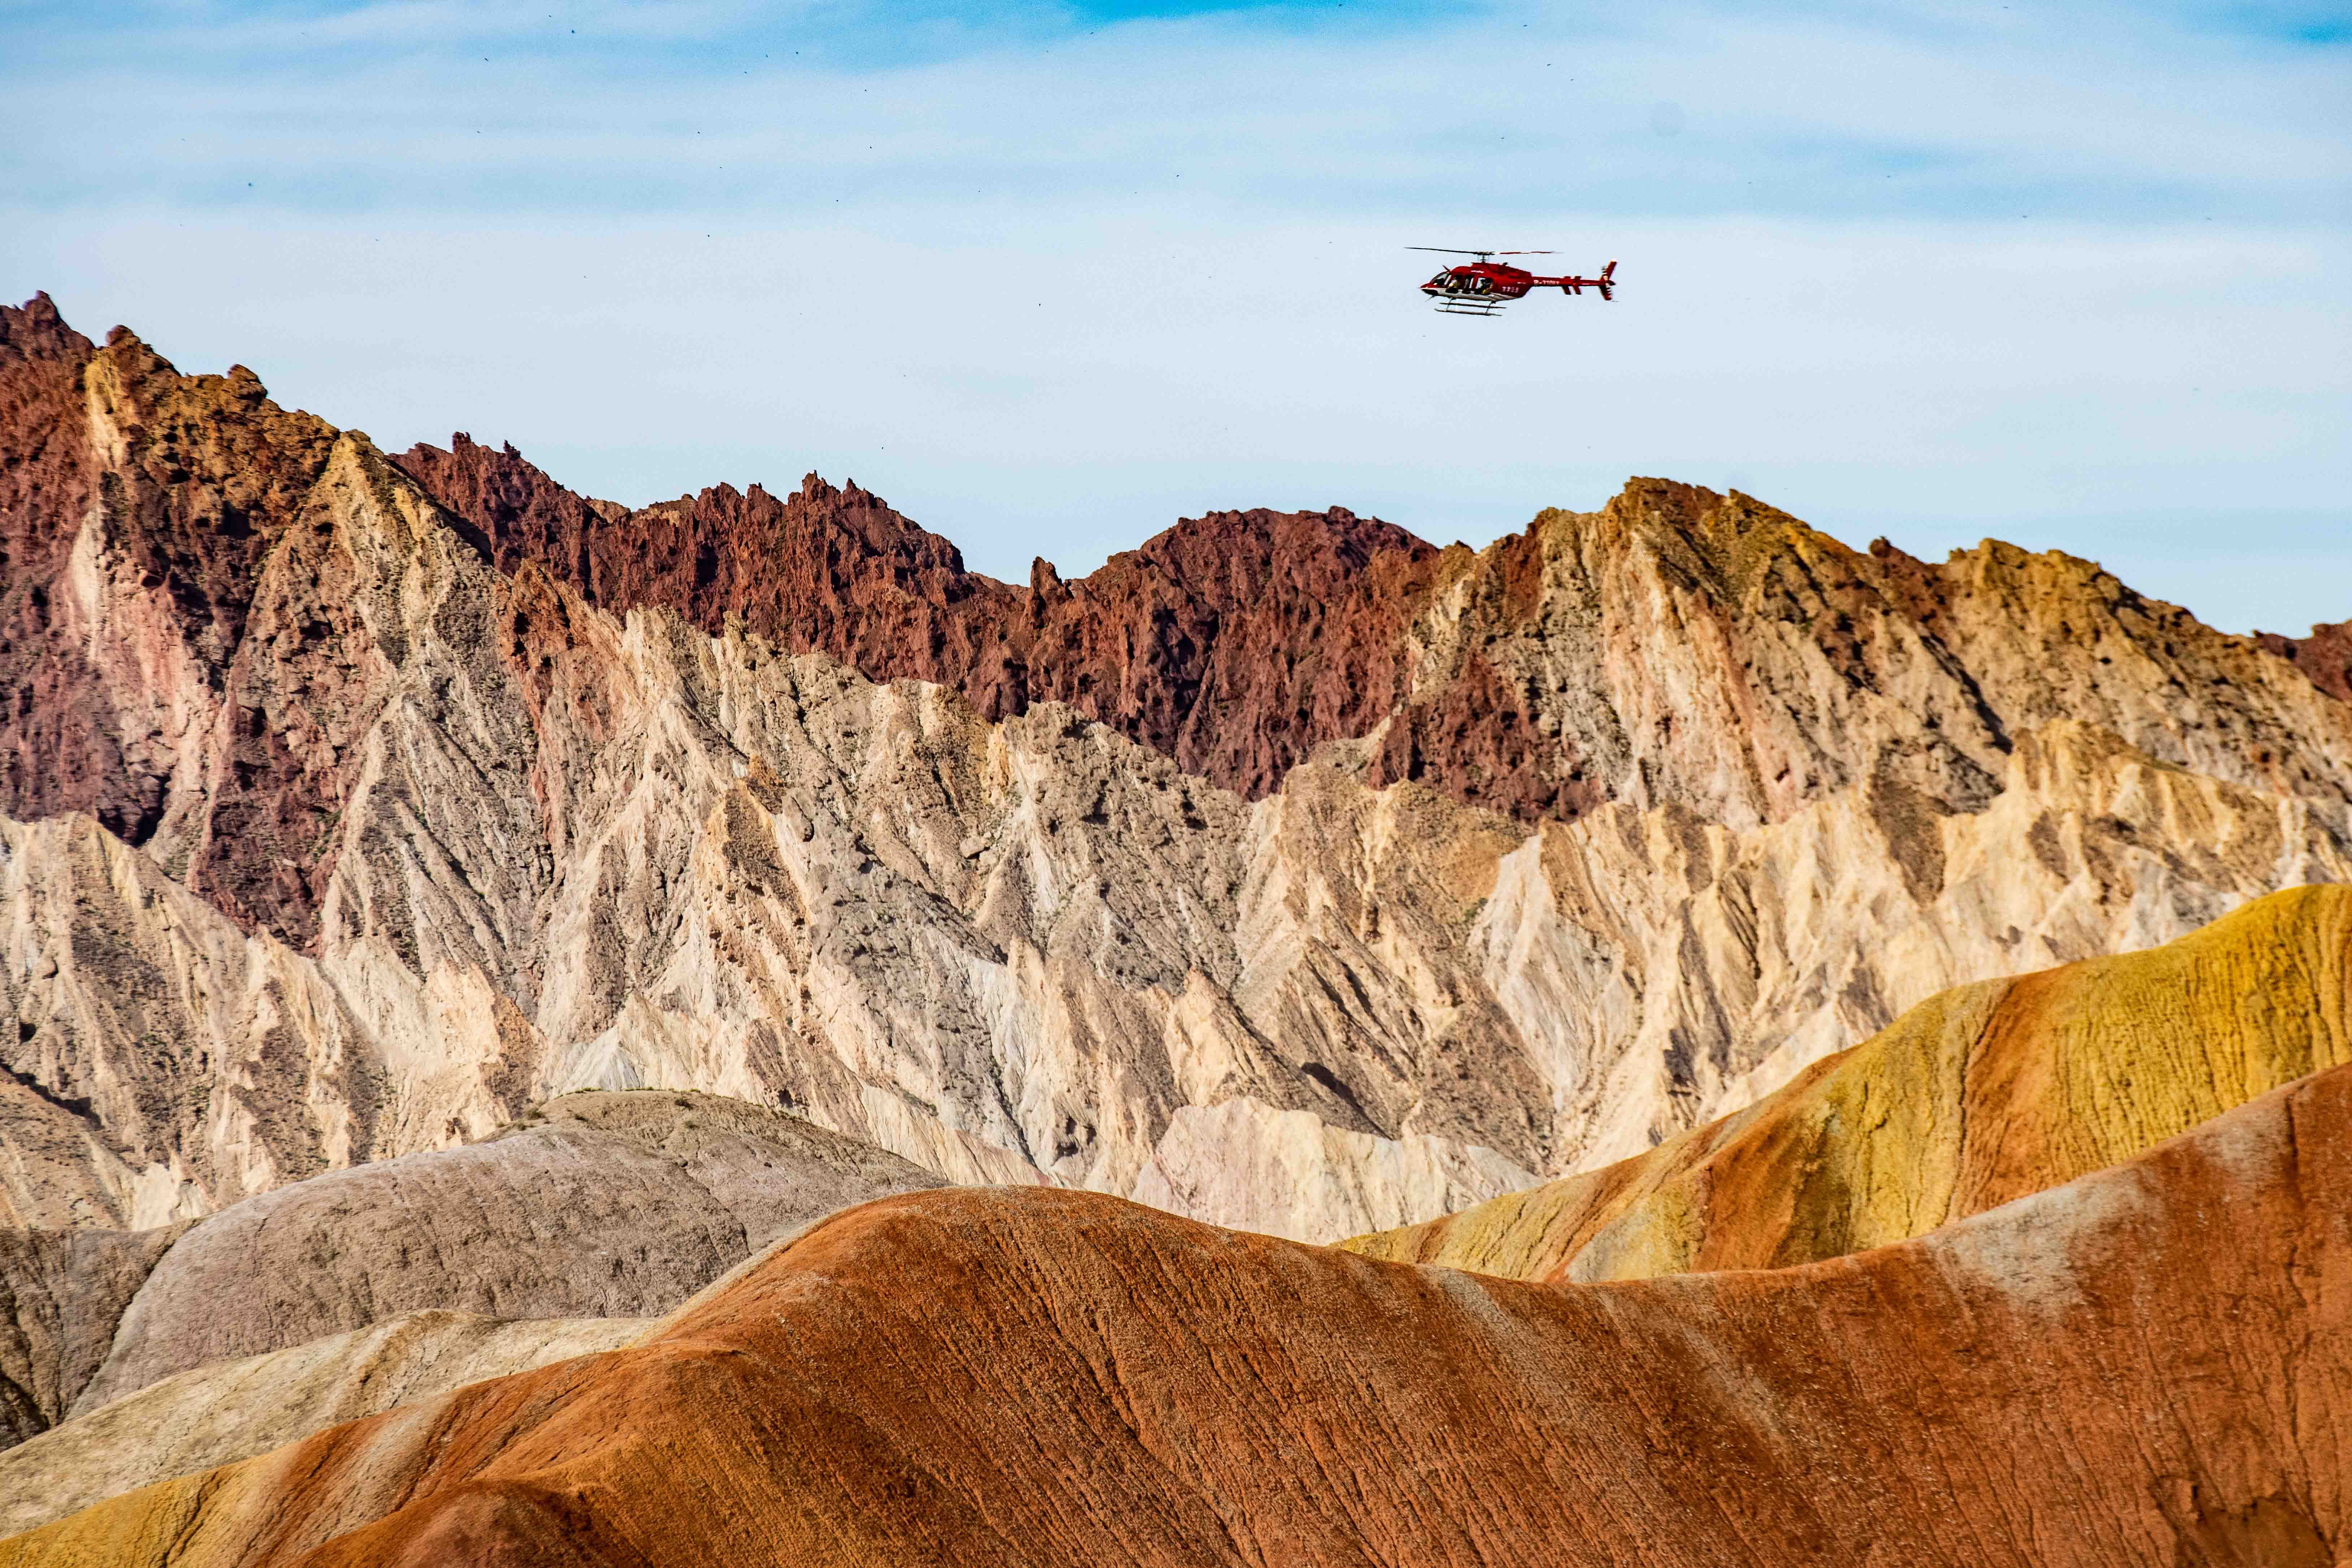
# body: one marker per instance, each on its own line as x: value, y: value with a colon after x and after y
x: 1047, y: 277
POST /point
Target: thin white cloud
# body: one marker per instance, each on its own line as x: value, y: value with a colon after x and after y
x: 1899, y: 269
x: 1785, y: 113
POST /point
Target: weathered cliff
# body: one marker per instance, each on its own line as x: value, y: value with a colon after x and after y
x: 1677, y: 645
x: 2093, y: 1375
x: 1234, y: 643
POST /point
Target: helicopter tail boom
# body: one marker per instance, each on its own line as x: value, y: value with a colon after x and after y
x: 1606, y: 283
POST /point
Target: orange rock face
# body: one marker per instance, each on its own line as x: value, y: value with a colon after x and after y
x: 2151, y: 1364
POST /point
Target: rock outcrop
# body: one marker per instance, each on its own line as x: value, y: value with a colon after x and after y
x: 1677, y: 645
x: 228, y: 1411
x: 140, y: 511
x: 2325, y: 656
x: 1285, y: 843
x: 1975, y: 1097
x: 2093, y: 1375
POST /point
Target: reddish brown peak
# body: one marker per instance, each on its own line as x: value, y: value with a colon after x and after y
x: 2325, y: 656
x: 1237, y: 557
x: 59, y: 749
x: 210, y: 474
x: 515, y: 511
x: 41, y: 360
x: 1235, y: 642
x: 836, y: 535
x: 1238, y: 642
x: 34, y: 331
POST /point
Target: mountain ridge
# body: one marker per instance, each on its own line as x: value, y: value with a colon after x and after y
x: 1580, y: 839
x: 1240, y: 644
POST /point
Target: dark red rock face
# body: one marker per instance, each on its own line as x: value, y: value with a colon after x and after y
x: 2325, y: 656
x: 1477, y: 740
x: 209, y: 476
x: 58, y: 752
x: 1235, y: 642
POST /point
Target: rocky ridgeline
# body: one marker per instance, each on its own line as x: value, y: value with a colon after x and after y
x: 1286, y: 872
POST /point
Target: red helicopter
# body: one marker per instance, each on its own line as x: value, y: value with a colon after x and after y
x: 1483, y: 287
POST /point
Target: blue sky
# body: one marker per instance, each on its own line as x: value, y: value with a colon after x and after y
x: 1049, y: 276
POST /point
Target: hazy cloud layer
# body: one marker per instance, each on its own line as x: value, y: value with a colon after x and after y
x: 1047, y: 277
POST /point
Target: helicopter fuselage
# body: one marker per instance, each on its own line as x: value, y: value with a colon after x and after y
x: 1482, y: 279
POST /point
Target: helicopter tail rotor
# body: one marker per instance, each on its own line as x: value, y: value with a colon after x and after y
x: 1607, y: 287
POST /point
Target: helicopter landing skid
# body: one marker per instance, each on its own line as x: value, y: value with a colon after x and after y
x: 1466, y: 306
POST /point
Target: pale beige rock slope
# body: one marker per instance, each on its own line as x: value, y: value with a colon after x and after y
x: 551, y: 848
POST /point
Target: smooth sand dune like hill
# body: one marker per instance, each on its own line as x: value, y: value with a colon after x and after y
x: 598, y: 1204
x: 2148, y: 1366
x: 227, y: 1410
x: 606, y: 1206
x: 1978, y: 1095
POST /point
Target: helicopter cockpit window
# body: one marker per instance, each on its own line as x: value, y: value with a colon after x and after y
x: 1444, y: 279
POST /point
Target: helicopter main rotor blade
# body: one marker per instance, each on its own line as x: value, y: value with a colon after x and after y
x: 1449, y: 250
